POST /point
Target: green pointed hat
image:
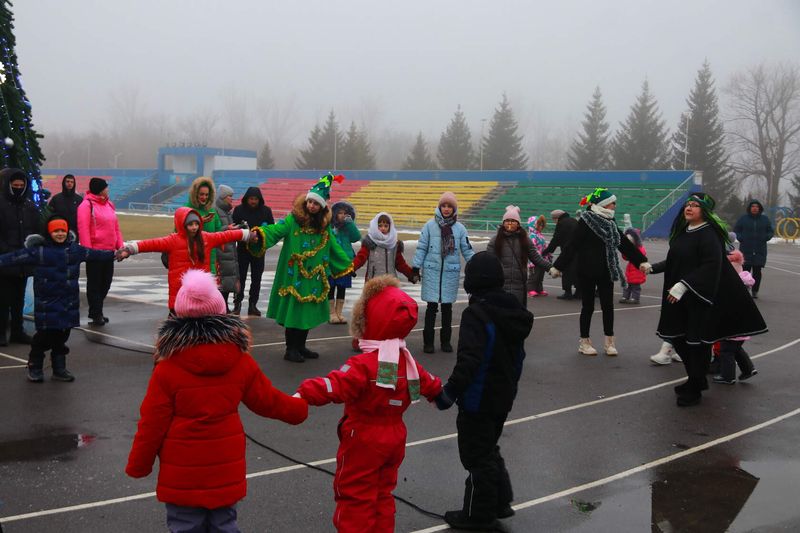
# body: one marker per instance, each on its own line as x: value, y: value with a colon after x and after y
x: 321, y: 191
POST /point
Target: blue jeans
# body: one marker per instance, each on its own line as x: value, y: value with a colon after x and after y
x: 182, y: 519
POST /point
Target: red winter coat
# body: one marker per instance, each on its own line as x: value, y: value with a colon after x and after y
x: 632, y: 273
x: 190, y: 417
x: 177, y: 246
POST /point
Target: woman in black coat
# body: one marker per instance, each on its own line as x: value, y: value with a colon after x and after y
x: 703, y: 299
x: 594, y: 246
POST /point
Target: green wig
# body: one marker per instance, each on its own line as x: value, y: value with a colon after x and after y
x: 707, y: 204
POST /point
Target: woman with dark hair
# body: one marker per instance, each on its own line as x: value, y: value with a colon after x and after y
x: 594, y: 246
x: 703, y: 299
x: 514, y: 249
x: 309, y: 255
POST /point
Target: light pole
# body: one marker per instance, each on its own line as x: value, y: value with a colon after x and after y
x: 686, y: 141
x: 116, y: 160
x: 224, y: 131
x: 58, y: 158
x: 483, y: 121
x: 89, y: 154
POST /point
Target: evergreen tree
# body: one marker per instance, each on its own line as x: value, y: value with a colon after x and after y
x: 704, y: 150
x: 356, y: 152
x: 18, y: 139
x: 323, y: 149
x: 502, y: 147
x: 590, y: 150
x: 419, y: 158
x: 265, y: 160
x: 641, y: 141
x: 455, y: 145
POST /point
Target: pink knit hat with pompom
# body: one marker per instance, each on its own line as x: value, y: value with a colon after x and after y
x: 448, y: 198
x: 199, y: 296
x: 512, y: 213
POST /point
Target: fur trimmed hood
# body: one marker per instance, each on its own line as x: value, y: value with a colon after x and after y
x: 177, y: 334
x: 383, y: 311
x: 34, y: 239
x: 212, y: 193
x: 300, y: 215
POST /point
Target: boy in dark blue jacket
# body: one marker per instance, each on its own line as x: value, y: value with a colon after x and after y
x: 58, y: 259
x: 484, y: 384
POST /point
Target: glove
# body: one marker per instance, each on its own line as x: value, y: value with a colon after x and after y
x: 443, y: 401
x: 415, y: 271
x: 554, y: 272
x: 646, y: 267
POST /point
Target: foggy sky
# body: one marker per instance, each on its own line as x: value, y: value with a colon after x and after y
x: 414, y: 61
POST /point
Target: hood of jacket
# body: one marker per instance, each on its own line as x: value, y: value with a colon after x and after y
x: 34, y: 239
x: 300, y: 215
x: 6, y: 176
x: 212, y: 193
x: 383, y: 311
x: 751, y: 203
x: 511, y: 319
x: 64, y: 190
x: 196, y: 344
x: 92, y: 197
x: 180, y: 218
x: 347, y: 206
x: 252, y: 192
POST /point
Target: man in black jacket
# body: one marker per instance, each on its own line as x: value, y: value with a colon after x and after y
x: 484, y: 384
x: 19, y: 217
x: 253, y: 212
x: 65, y: 204
x: 562, y: 235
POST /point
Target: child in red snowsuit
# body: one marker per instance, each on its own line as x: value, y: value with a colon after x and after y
x: 190, y: 413
x: 188, y: 248
x: 635, y: 277
x: 376, y: 387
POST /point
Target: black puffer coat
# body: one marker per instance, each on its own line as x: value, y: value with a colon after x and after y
x: 65, y: 204
x: 19, y: 217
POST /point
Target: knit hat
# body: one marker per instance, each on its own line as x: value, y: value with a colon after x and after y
x: 557, y: 213
x: 449, y: 198
x: 483, y: 272
x: 321, y: 191
x: 191, y: 217
x: 512, y: 213
x: 223, y: 191
x: 56, y: 224
x: 97, y: 185
x: 198, y: 295
x: 601, y: 197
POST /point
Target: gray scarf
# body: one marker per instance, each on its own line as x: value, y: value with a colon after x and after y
x: 606, y: 229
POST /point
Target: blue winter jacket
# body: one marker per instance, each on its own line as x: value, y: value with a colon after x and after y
x: 55, y: 279
x: 440, y: 276
x: 753, y: 232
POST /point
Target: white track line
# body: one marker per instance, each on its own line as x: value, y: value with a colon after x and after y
x: 123, y: 339
x: 783, y: 270
x: 13, y: 358
x: 332, y: 460
x: 638, y: 469
x: 13, y: 366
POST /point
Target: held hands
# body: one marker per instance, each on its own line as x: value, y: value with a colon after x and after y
x: 254, y: 236
x: 554, y: 272
x: 444, y: 401
x: 415, y: 275
x: 646, y: 267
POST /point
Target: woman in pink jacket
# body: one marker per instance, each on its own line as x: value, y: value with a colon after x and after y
x: 98, y: 228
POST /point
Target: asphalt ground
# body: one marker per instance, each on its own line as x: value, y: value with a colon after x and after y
x: 593, y: 444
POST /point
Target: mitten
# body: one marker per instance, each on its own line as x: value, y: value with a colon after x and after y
x: 444, y: 400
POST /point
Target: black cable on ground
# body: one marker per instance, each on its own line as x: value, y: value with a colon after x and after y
x: 414, y: 506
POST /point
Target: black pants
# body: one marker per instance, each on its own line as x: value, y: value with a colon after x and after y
x: 295, y: 338
x: 49, y: 339
x: 12, y: 301
x: 605, y: 288
x: 488, y: 485
x: 756, y: 272
x: 569, y: 279
x: 337, y: 291
x: 99, y: 275
x: 731, y: 354
x: 536, y: 279
x: 696, y: 358
x: 430, y: 323
x: 256, y: 266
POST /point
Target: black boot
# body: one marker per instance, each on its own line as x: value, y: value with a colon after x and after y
x: 460, y: 520
x: 252, y: 310
x: 302, y: 335
x: 447, y: 332
x: 60, y: 372
x: 35, y: 363
x: 292, y: 353
x: 428, y: 333
x: 237, y: 305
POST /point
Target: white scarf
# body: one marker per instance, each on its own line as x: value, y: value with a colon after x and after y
x: 387, y: 241
x: 602, y: 211
x: 389, y: 351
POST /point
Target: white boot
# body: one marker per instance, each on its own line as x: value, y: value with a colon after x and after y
x: 665, y: 355
x: 585, y: 347
x: 609, y: 345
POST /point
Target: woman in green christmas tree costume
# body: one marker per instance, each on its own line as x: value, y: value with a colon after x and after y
x: 299, y: 297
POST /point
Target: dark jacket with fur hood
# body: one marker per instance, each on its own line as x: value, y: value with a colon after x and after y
x: 190, y: 413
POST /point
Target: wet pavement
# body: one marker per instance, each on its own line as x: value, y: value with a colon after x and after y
x: 594, y: 444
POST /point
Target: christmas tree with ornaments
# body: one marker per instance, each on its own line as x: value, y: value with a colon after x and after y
x: 20, y: 142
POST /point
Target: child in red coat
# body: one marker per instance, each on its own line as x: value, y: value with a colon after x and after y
x: 188, y: 248
x: 634, y: 276
x: 376, y: 387
x: 190, y: 413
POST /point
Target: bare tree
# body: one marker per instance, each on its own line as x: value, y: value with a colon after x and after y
x: 280, y: 127
x: 764, y: 124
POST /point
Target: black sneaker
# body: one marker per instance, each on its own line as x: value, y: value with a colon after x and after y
x: 35, y: 375
x: 723, y: 380
x: 747, y: 375
x: 63, y: 375
x: 460, y: 520
x: 293, y: 356
x: 687, y: 400
x: 253, y: 311
x: 565, y: 296
x: 97, y: 321
x: 447, y: 348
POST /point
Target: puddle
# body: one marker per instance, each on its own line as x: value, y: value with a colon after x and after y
x: 43, y: 448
